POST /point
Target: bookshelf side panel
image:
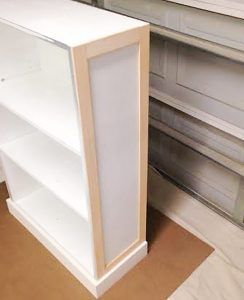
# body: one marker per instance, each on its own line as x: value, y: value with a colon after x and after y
x: 114, y: 80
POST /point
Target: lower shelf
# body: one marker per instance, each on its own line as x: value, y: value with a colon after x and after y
x: 56, y: 225
x: 31, y: 215
x: 55, y: 167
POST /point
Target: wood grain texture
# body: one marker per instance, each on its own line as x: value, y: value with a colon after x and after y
x: 83, y: 93
x: 143, y: 127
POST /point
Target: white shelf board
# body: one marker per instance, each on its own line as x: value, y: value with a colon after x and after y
x: 53, y: 166
x: 65, y: 21
x: 59, y: 224
x: 46, y: 106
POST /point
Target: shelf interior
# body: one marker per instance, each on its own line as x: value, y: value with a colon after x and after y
x: 51, y: 164
x: 51, y: 217
x: 36, y: 84
x: 40, y: 142
x: 61, y: 224
x: 12, y: 127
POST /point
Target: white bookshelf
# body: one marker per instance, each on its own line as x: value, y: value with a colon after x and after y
x: 73, y: 133
x: 53, y: 166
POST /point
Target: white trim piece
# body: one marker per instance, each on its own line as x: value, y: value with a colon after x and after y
x: 96, y: 287
x: 194, y: 112
x: 225, y: 7
x: 122, y: 268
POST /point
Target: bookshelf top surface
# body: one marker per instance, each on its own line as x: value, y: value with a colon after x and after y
x: 64, y: 21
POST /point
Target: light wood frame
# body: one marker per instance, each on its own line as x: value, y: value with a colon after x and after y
x: 80, y: 57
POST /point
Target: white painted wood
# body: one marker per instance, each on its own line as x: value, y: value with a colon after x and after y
x: 69, y: 230
x: 64, y: 21
x: 62, y: 224
x: 19, y: 183
x: 121, y: 268
x: 36, y: 85
x: 17, y: 53
x: 34, y: 98
x: 45, y: 48
x: 52, y: 165
x: 12, y: 127
x: 116, y: 131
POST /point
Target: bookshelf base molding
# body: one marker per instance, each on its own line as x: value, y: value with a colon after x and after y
x: 96, y: 287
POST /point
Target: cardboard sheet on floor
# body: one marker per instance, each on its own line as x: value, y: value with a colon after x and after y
x: 28, y: 271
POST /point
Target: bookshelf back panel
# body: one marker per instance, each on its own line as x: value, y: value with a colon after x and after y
x: 20, y: 184
x: 18, y: 53
x: 36, y: 84
x: 11, y: 126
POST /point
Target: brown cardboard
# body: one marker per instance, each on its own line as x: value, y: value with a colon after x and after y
x: 29, y: 272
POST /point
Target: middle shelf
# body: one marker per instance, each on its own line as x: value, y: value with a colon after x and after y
x: 54, y: 166
x: 47, y: 105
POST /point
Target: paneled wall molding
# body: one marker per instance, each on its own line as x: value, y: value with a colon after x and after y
x: 225, y: 7
x: 198, y: 173
x: 187, y: 24
x: 196, y: 80
x: 239, y: 208
x: 212, y: 47
x: 158, y: 58
x: 194, y: 112
x: 223, y: 160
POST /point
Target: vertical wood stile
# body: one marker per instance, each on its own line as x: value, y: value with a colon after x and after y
x: 82, y: 83
x: 143, y: 127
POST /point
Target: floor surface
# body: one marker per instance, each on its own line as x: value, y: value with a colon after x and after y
x: 221, y: 275
x: 28, y: 271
